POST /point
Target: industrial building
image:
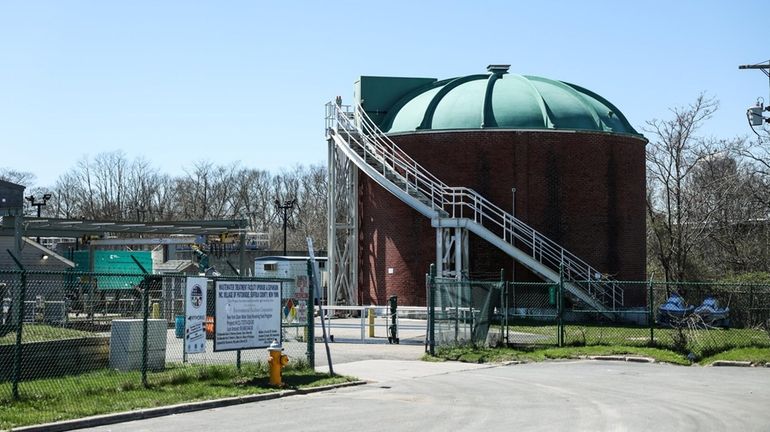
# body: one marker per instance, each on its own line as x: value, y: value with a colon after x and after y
x: 481, y: 173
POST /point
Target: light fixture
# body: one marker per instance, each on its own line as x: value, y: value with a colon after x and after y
x: 44, y: 257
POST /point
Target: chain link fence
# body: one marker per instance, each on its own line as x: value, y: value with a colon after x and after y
x: 706, y: 318
x: 94, y: 330
x: 694, y: 319
x: 533, y: 313
x: 463, y: 311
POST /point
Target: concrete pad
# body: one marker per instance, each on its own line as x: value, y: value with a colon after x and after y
x: 382, y: 371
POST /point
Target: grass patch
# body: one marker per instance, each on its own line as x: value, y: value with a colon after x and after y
x: 755, y: 355
x: 658, y: 354
x: 669, y: 345
x: 41, y: 332
x: 497, y: 355
x: 104, y: 392
x: 700, y: 342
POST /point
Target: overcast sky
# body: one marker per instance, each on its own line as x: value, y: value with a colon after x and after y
x: 182, y: 81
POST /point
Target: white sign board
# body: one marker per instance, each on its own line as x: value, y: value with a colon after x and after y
x: 248, y: 315
x: 195, y: 314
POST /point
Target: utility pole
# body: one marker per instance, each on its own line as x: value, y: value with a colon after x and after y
x: 287, y: 207
x: 754, y: 113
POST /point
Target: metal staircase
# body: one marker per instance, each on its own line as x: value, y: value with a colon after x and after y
x: 364, y: 144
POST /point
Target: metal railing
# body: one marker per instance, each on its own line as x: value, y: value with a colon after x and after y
x: 405, y: 320
x: 380, y: 153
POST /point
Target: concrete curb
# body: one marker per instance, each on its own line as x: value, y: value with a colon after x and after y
x: 634, y: 359
x: 108, y: 419
x: 731, y: 363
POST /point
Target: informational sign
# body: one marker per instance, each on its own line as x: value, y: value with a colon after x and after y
x: 195, y: 314
x: 248, y: 315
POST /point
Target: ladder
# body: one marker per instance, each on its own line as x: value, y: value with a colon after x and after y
x: 376, y: 155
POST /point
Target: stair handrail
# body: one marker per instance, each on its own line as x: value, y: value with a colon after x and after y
x: 453, y: 200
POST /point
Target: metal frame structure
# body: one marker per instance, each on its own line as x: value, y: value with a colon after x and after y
x: 342, y: 222
x: 19, y: 226
x: 451, y: 252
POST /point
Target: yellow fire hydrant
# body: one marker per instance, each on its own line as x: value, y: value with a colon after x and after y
x: 276, y: 361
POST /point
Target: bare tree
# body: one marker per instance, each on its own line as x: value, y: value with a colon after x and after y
x: 23, y: 178
x: 143, y: 186
x: 110, y: 186
x: 208, y: 192
x: 736, y: 240
x: 254, y: 198
x: 307, y: 186
x: 678, y: 217
x: 65, y: 202
x: 312, y: 197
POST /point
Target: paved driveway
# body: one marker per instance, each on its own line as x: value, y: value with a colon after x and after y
x: 551, y: 396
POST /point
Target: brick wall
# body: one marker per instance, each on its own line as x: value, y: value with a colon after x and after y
x: 586, y: 191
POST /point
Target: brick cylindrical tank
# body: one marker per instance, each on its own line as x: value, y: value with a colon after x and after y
x: 576, y: 164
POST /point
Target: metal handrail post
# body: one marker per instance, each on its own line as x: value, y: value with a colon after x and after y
x: 432, y: 310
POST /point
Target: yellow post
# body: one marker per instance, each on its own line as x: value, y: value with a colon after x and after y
x: 155, y: 311
x: 276, y: 361
x: 371, y: 322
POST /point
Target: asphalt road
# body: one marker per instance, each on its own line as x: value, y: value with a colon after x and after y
x: 551, y: 396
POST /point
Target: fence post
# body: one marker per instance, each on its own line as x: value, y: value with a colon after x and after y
x: 560, y: 309
x: 145, y: 313
x: 19, y: 327
x: 503, y: 306
x: 311, y: 316
x: 432, y: 310
x: 651, y: 318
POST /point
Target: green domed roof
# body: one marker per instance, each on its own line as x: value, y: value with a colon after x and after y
x: 499, y: 100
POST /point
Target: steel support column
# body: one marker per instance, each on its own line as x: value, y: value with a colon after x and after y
x: 451, y: 252
x: 343, y: 228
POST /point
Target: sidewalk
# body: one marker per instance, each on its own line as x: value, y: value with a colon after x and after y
x: 376, y: 360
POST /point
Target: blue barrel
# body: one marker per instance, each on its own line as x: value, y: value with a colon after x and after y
x: 179, y: 328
